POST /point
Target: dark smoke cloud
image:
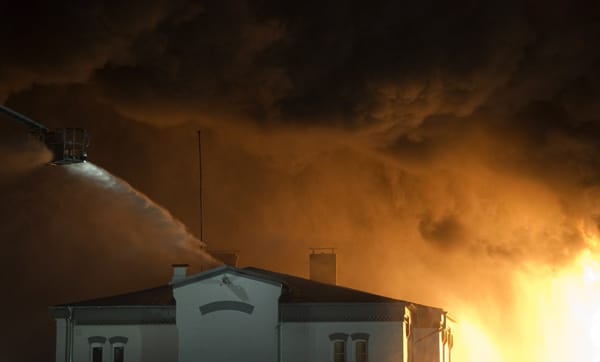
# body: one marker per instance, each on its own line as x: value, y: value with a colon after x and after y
x: 446, y: 232
x: 423, y: 139
x: 65, y: 42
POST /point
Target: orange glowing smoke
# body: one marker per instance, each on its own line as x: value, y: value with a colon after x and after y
x: 556, y: 318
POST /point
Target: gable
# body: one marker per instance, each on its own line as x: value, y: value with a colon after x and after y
x: 225, y: 289
x: 214, y: 274
x: 227, y: 305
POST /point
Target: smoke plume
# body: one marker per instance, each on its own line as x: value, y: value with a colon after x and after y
x: 452, y: 146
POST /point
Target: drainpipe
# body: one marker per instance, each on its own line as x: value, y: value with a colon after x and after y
x: 69, y: 336
x: 445, y: 338
x: 279, y: 351
x: 67, y: 321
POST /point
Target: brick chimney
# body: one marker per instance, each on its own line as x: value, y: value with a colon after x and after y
x: 179, y: 272
x: 323, y: 265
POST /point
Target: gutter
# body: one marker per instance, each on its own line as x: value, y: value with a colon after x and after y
x: 93, y: 315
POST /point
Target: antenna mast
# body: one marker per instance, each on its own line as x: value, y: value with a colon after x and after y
x: 200, y: 184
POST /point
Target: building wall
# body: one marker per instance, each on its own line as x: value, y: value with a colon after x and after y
x: 312, y: 341
x: 145, y: 343
x: 209, y: 330
x: 427, y: 345
x: 61, y: 332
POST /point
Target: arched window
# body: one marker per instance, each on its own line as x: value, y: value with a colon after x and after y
x: 338, y: 341
x: 118, y: 348
x: 361, y: 350
x: 96, y: 348
x: 361, y: 346
x: 339, y: 351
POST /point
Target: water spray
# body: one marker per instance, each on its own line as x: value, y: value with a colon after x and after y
x: 69, y: 147
x: 108, y: 181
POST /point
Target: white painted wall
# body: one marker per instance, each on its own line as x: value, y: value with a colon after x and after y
x: 61, y: 330
x: 227, y: 335
x: 145, y: 343
x: 427, y: 345
x: 309, y: 341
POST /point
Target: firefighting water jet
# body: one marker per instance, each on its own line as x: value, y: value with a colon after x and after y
x: 121, y: 188
x: 68, y: 147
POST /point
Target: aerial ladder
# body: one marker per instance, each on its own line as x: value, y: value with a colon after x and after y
x: 68, y: 145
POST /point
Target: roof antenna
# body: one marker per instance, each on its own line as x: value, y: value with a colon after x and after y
x: 228, y: 257
x: 200, y: 184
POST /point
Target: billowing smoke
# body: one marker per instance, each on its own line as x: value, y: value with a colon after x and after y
x: 452, y: 147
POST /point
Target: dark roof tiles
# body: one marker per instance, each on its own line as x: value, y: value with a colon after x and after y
x: 300, y: 290
x: 295, y: 290
x: 159, y: 296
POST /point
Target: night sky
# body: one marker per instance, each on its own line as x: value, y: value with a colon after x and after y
x: 437, y: 144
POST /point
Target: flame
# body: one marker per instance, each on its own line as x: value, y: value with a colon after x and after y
x: 555, y: 316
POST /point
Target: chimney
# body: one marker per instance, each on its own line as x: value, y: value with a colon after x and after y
x: 179, y: 272
x: 323, y: 265
x: 228, y: 257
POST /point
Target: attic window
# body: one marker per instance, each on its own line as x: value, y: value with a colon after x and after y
x: 361, y: 351
x: 361, y: 346
x: 96, y: 348
x: 119, y: 353
x: 118, y: 348
x: 339, y: 346
x: 96, y: 353
x: 339, y: 351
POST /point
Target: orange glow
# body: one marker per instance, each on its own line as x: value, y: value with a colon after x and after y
x: 479, y: 346
x: 555, y: 317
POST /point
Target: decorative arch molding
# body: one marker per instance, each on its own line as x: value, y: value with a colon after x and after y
x: 118, y: 339
x: 362, y: 336
x: 97, y: 340
x: 226, y: 305
x: 338, y: 336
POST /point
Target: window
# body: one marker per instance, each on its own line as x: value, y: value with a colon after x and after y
x: 361, y: 352
x: 338, y: 341
x: 96, y: 348
x: 361, y: 346
x: 119, y: 353
x: 96, y: 353
x: 118, y: 348
x: 339, y: 351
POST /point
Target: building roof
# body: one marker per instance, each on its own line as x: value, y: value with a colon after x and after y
x: 295, y: 290
x: 158, y: 296
x: 301, y: 290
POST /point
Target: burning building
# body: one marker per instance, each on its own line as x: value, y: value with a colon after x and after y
x: 234, y: 314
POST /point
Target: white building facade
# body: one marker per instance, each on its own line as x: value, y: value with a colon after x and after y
x: 231, y: 314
